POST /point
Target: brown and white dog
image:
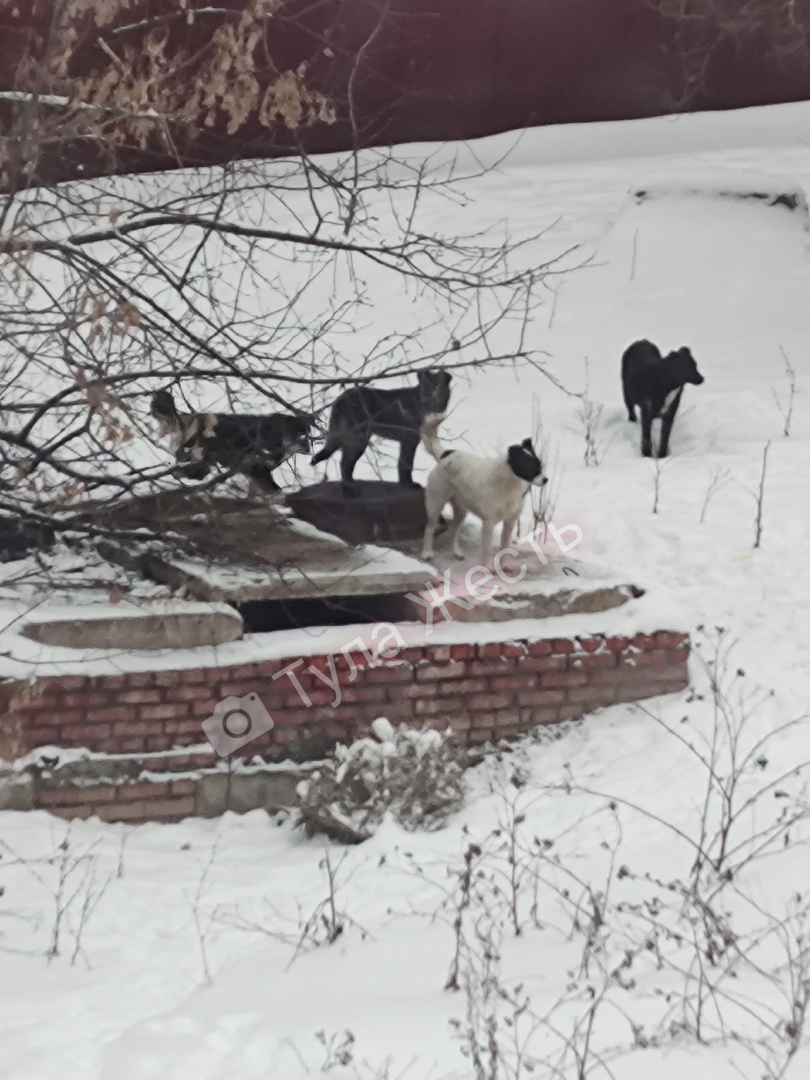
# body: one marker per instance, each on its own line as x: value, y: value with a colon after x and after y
x: 250, y: 445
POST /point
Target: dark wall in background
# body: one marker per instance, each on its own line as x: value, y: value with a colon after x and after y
x: 450, y: 69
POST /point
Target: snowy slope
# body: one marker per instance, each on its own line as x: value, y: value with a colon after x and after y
x: 188, y: 963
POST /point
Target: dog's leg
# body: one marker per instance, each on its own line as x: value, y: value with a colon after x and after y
x: 508, y: 531
x: 352, y: 452
x: 666, y: 425
x: 487, y: 533
x: 631, y: 409
x: 459, y: 516
x: 646, y: 429
x: 407, y: 453
x: 433, y: 509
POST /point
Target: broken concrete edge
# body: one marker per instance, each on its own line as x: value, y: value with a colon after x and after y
x: 149, y: 626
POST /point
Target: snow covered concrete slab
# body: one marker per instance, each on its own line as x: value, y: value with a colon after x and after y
x: 525, y: 589
x: 164, y: 624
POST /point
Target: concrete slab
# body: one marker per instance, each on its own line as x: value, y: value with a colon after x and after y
x: 525, y: 588
x: 150, y: 625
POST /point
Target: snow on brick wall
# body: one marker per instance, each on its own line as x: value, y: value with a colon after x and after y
x: 482, y: 692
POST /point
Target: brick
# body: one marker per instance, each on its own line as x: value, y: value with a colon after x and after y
x: 141, y: 679
x: 512, y: 682
x: 592, y: 660
x: 479, y: 736
x: 436, y: 707
x: 76, y: 796
x: 74, y: 813
x: 168, y: 809
x: 679, y: 656
x: 459, y: 723
x: 190, y: 693
x: 571, y: 712
x: 493, y: 650
x: 146, y: 789
x: 554, y: 680
x: 534, y: 717
x: 140, y: 697
x: 402, y: 673
x: 453, y: 669
x: 69, y: 682
x: 352, y: 694
x: 455, y: 687
x: 138, y: 727
x: 170, y: 710
x: 543, y: 663
x: 110, y: 683
x: 666, y: 639
x: 396, y: 711
x: 168, y: 678
x: 240, y: 689
x: 439, y: 654
x: 182, y: 727
x: 542, y: 697
x: 561, y: 646
x: 462, y: 652
x: 412, y: 656
x: 642, y: 641
x: 590, y: 644
x: 617, y: 644
x: 491, y: 667
x: 85, y: 734
x: 111, y: 716
x: 652, y: 658
x: 85, y: 701
x: 488, y: 702
x: 42, y: 736
x: 193, y: 676
x: 166, y: 742
x: 592, y: 695
x: 539, y: 648
x: 50, y: 717
x: 183, y: 787
x: 129, y: 745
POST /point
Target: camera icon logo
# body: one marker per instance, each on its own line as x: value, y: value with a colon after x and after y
x: 235, y: 722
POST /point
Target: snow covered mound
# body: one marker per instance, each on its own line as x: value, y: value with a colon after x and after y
x: 737, y: 184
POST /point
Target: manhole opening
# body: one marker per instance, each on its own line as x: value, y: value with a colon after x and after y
x: 264, y: 616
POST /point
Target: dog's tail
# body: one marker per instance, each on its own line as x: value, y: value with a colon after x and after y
x: 429, y: 436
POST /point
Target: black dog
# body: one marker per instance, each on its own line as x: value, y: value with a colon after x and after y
x: 655, y: 383
x: 363, y: 411
x: 250, y: 445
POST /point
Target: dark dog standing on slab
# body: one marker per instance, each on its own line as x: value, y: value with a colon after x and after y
x: 363, y: 411
x: 655, y: 384
x: 250, y: 445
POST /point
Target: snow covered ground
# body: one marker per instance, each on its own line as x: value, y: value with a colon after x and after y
x: 198, y: 950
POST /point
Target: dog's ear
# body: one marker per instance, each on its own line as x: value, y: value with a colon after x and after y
x: 527, y: 445
x: 162, y: 406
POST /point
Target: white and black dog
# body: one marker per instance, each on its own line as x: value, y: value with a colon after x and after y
x: 251, y: 445
x: 491, y: 488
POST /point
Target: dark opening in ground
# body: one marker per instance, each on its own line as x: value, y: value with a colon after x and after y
x: 264, y: 616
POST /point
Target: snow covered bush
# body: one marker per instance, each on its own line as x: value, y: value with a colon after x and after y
x: 417, y: 776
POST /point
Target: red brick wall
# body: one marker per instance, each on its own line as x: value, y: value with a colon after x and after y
x: 482, y: 692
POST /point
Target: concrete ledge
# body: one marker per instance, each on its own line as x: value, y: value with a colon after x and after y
x: 128, y: 626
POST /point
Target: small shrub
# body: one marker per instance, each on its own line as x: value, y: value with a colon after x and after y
x: 417, y: 776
